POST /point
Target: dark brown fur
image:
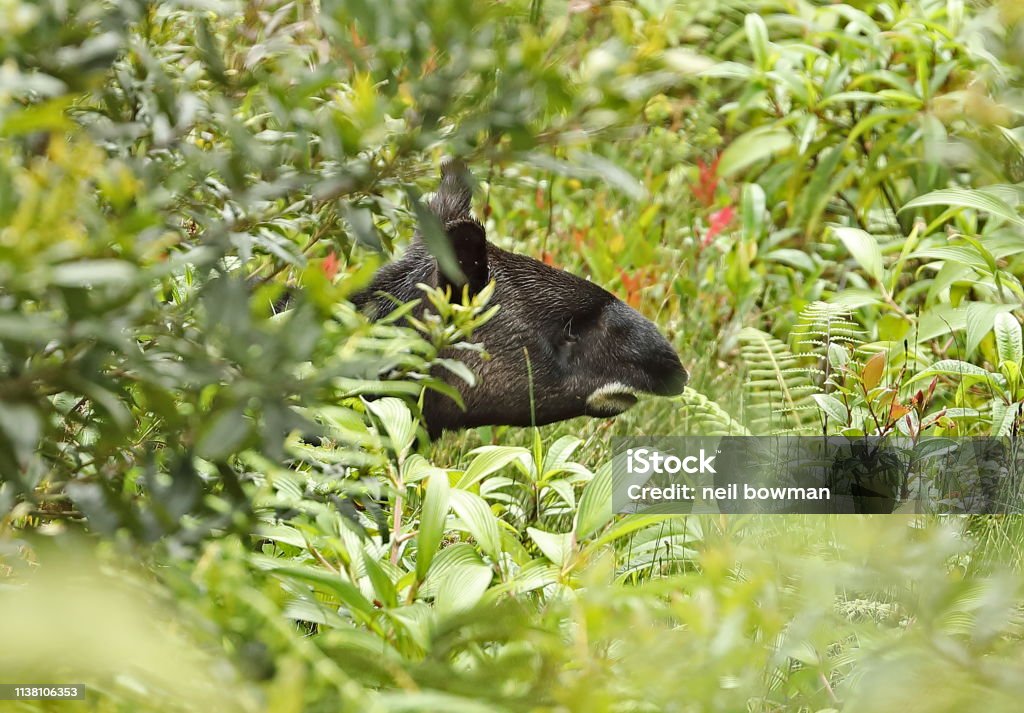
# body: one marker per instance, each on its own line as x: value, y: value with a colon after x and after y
x: 579, y: 337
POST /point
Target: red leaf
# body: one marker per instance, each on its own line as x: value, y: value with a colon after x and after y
x: 635, y: 284
x: 871, y: 376
x: 330, y: 266
x: 897, y: 411
x: 717, y: 222
x: 629, y: 284
x: 707, y: 182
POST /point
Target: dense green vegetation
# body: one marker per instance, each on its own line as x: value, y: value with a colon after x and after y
x: 822, y: 205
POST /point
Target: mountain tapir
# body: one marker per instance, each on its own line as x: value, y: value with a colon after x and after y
x: 589, y: 353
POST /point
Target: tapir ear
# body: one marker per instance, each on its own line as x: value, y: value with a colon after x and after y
x: 469, y: 245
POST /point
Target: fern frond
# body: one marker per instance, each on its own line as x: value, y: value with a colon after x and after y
x: 779, y: 388
x: 821, y: 324
x: 781, y: 382
x: 704, y: 417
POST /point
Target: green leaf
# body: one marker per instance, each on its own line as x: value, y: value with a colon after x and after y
x: 481, y: 523
x: 892, y: 327
x: 1013, y: 138
x: 491, y: 459
x: 838, y: 356
x: 223, y: 436
x: 51, y: 115
x: 940, y: 320
x: 955, y: 367
x: 964, y: 198
x: 564, y: 490
x: 1004, y: 416
x: 587, y: 165
x: 284, y: 533
x: 559, y: 453
x: 432, y: 521
x: 625, y: 527
x: 383, y: 587
x: 557, y: 547
x: 728, y: 70
x: 611, y: 172
x: 828, y: 178
x: 23, y: 428
x: 459, y: 369
x: 953, y: 253
x: 416, y: 468
x: 793, y: 258
x: 595, y: 508
x: 757, y: 36
x: 451, y: 556
x: 462, y: 588
x: 1011, y: 371
x: 28, y: 329
x: 752, y: 147
x: 428, y: 701
x: 90, y: 273
x: 360, y: 219
x: 864, y: 249
x: 436, y: 240
x: 753, y: 211
x: 833, y: 407
x: 856, y: 96
x: 855, y: 298
x: 980, y: 318
x: 345, y: 590
x: 1008, y: 338
x: 535, y: 574
x: 686, y: 61
x: 213, y: 56
x: 394, y: 414
x: 415, y: 620
x: 872, y: 120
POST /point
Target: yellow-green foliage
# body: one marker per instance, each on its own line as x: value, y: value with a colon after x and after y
x: 205, y: 505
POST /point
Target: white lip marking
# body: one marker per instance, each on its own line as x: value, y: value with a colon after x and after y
x: 609, y: 397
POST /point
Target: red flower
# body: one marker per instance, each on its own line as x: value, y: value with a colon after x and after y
x: 707, y: 182
x: 330, y: 266
x: 718, y: 222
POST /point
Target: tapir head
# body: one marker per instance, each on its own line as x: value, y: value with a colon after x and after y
x: 589, y: 353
